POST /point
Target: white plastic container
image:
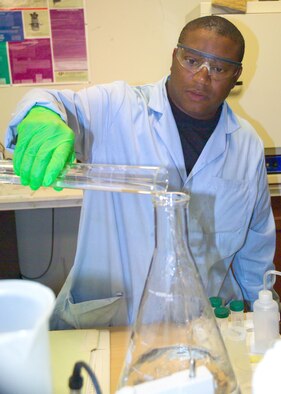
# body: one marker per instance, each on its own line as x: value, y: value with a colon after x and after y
x: 266, y: 376
x: 266, y: 321
x: 235, y: 342
x: 25, y: 308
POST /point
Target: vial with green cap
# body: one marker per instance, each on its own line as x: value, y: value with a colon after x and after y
x: 237, y: 313
x: 215, y: 302
x: 222, y: 314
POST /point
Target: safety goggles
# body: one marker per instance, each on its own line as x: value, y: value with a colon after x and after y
x: 219, y: 68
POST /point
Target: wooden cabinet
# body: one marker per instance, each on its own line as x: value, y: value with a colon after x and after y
x: 276, y: 207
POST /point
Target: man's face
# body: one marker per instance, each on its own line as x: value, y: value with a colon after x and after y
x: 198, y: 94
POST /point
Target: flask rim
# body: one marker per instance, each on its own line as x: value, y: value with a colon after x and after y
x: 170, y: 198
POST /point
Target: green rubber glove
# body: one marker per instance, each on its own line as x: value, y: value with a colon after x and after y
x: 45, y: 145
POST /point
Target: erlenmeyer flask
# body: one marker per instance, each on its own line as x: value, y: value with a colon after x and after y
x: 175, y: 329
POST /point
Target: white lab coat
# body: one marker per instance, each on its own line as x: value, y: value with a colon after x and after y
x: 229, y: 218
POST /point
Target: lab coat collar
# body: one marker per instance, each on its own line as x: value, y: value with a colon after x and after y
x: 217, y: 143
x: 165, y: 125
x: 158, y: 99
x: 168, y: 131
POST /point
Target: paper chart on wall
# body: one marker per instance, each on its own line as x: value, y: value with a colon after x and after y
x: 43, y: 42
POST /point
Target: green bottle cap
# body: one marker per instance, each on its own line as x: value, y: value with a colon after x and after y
x: 236, y: 306
x: 215, y: 301
x: 221, y: 312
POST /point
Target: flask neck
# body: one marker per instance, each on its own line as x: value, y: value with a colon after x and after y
x: 170, y: 220
x: 170, y: 226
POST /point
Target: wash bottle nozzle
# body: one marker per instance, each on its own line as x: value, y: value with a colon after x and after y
x: 265, y: 278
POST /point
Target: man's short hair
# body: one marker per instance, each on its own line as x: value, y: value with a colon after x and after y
x: 219, y: 25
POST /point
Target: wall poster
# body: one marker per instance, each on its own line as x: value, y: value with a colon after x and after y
x: 43, y: 42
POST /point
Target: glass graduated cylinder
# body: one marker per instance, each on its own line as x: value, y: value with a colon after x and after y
x: 106, y: 177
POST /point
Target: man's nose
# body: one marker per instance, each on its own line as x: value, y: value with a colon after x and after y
x: 203, y: 72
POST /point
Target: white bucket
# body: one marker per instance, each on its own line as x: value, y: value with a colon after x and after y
x: 25, y: 309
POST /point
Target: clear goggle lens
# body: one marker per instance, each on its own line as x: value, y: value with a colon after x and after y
x: 218, y: 68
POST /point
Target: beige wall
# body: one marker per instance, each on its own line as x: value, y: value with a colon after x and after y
x: 130, y: 40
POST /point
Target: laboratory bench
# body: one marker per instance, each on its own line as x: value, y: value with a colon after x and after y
x: 111, y: 345
x: 103, y: 349
x: 15, y: 197
x: 119, y: 341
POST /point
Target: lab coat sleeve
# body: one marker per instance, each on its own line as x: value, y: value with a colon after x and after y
x: 33, y: 97
x: 256, y: 255
x: 66, y: 103
x: 86, y: 112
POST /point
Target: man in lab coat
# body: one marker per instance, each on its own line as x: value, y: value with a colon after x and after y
x: 182, y: 123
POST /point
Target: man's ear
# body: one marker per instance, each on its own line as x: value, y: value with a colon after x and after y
x: 173, y: 56
x: 174, y: 53
x: 237, y: 76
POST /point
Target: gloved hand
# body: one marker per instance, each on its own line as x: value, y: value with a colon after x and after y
x: 45, y: 144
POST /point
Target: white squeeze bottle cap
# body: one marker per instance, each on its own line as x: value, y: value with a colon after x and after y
x: 265, y: 297
x: 266, y: 321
